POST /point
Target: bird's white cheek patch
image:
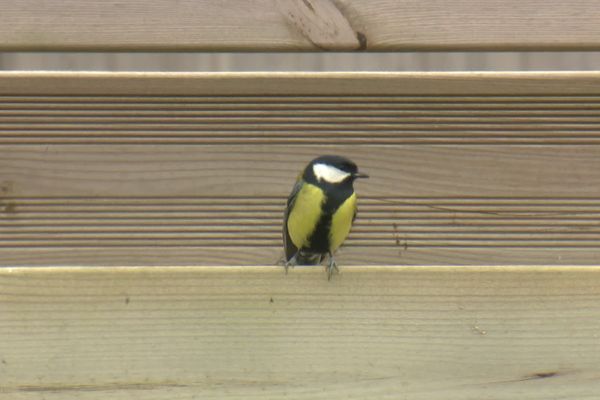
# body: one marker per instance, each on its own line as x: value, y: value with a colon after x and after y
x: 330, y: 174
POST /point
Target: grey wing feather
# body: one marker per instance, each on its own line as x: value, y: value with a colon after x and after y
x: 290, y: 249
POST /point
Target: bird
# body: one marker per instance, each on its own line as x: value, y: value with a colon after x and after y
x: 320, y: 211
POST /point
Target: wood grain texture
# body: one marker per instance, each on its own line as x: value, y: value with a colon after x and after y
x: 372, y: 332
x: 109, y: 196
x: 305, y: 25
x: 159, y: 169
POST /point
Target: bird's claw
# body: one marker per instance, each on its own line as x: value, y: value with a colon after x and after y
x: 331, y: 267
x: 292, y: 262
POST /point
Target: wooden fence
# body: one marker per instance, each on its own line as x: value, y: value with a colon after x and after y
x: 140, y: 213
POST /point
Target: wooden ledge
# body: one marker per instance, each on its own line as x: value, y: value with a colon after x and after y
x: 194, y: 168
x: 229, y: 332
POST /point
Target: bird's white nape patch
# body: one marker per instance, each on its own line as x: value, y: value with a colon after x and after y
x: 329, y: 174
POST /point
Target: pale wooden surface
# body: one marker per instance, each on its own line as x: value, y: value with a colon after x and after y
x: 194, y: 169
x: 299, y: 25
x: 372, y: 332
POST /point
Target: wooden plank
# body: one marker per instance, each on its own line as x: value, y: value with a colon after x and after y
x: 163, y: 169
x: 306, y: 25
x: 521, y: 204
x: 372, y: 332
x: 107, y: 196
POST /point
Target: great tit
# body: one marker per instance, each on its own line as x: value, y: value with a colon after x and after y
x: 320, y: 211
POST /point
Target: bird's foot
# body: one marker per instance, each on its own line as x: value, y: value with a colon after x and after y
x: 331, y: 267
x: 292, y: 262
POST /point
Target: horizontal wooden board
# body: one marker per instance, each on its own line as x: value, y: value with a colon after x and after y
x: 296, y: 86
x: 105, y: 169
x: 137, y: 204
x: 292, y: 25
x: 372, y: 332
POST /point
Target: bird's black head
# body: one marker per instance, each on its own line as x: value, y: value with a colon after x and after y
x: 332, y: 170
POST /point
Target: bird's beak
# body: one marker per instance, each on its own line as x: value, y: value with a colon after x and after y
x: 360, y: 175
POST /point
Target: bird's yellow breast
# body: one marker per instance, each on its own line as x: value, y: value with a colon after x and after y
x: 341, y: 222
x: 305, y: 214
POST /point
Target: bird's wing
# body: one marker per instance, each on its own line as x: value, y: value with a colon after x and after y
x: 290, y: 249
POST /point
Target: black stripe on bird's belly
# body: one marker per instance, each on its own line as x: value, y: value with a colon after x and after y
x: 319, y: 240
